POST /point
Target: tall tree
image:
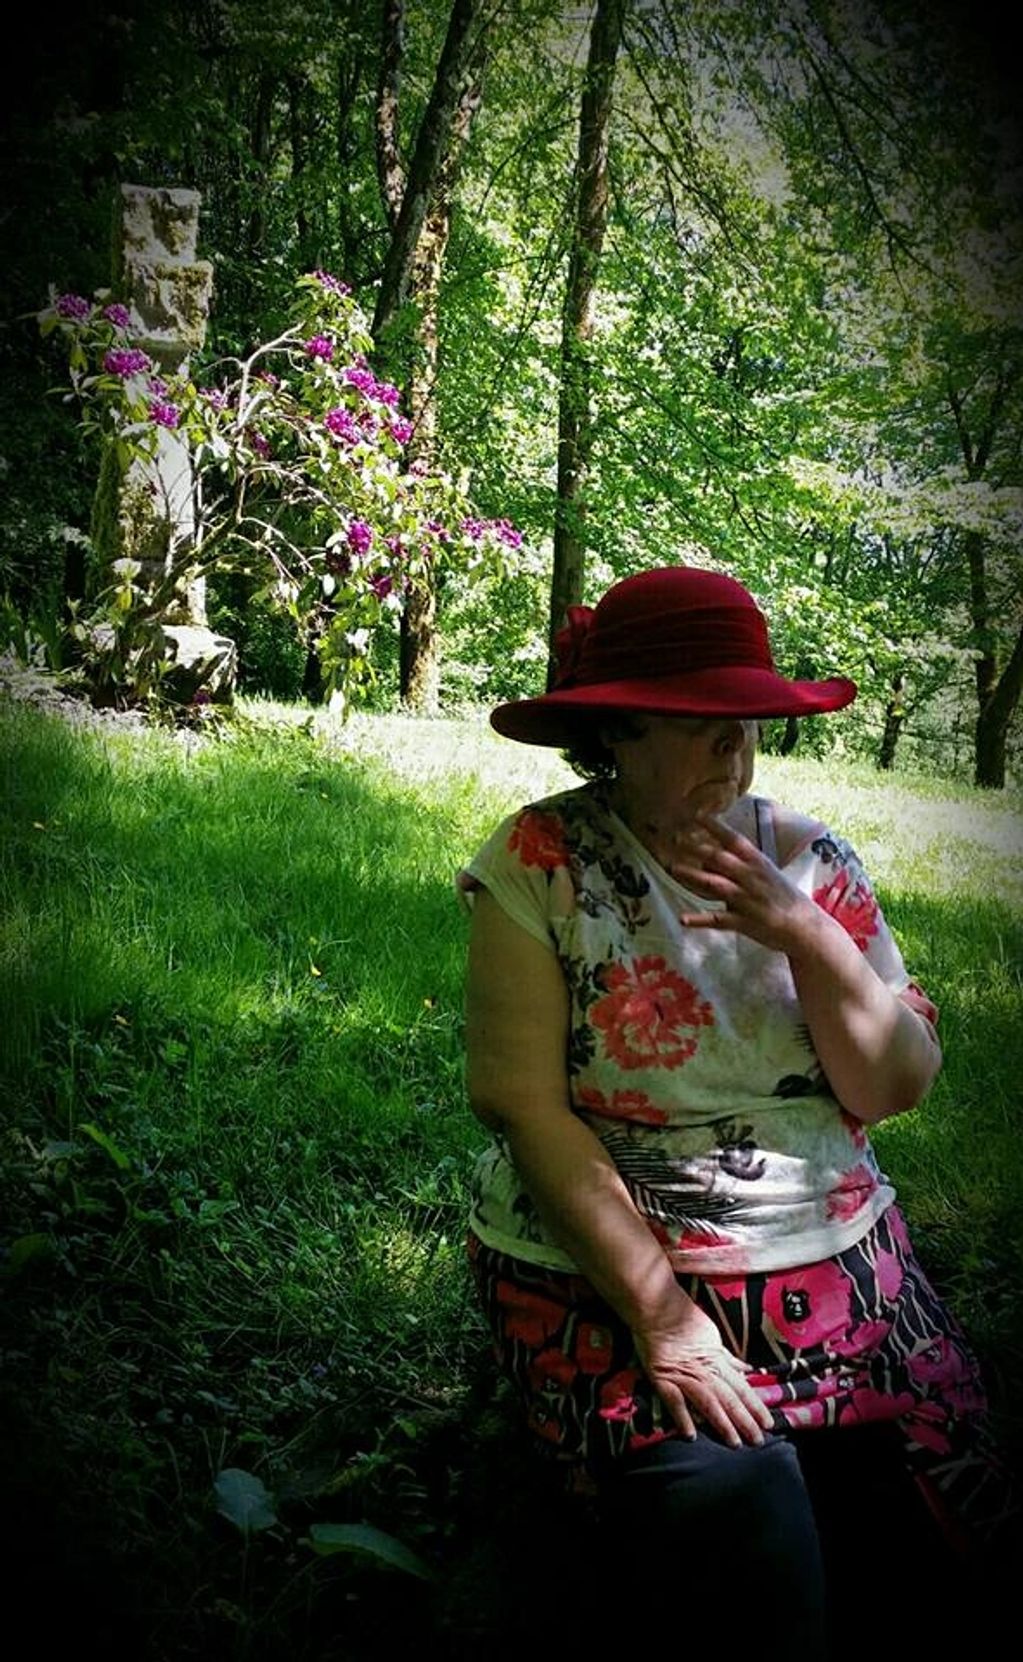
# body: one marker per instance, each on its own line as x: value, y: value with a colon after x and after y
x: 419, y: 207
x: 575, y: 414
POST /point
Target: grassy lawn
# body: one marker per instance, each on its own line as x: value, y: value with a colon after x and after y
x: 236, y: 1151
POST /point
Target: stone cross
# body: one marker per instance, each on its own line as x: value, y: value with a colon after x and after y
x: 147, y: 512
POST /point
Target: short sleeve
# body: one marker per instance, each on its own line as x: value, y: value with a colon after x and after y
x: 842, y: 888
x: 525, y: 866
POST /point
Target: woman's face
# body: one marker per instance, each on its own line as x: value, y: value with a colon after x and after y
x: 680, y: 765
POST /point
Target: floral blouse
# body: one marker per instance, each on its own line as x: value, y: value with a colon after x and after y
x: 688, y: 1055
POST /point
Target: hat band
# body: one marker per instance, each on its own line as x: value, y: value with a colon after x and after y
x: 674, y: 643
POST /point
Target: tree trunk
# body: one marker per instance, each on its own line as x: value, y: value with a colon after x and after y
x: 299, y: 148
x: 261, y: 141
x: 432, y: 143
x: 894, y: 717
x: 993, y: 720
x: 575, y: 418
x: 790, y: 737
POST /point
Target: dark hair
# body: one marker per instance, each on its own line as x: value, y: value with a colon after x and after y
x: 587, y: 754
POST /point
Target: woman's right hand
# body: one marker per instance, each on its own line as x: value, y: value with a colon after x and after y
x: 691, y: 1370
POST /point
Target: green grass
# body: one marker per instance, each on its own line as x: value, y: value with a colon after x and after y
x: 236, y: 1152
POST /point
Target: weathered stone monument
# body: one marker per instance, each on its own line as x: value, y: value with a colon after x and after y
x: 147, y: 512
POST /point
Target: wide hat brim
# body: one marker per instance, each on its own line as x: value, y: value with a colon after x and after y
x: 729, y: 690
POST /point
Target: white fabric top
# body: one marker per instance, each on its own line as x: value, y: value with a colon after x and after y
x: 688, y: 1055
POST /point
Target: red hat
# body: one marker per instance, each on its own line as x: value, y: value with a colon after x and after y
x: 676, y: 641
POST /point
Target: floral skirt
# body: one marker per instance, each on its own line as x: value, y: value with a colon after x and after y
x: 857, y: 1339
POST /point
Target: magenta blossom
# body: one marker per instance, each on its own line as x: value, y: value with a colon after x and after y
x: 319, y: 346
x: 163, y: 413
x: 382, y: 584
x: 126, y: 362
x: 268, y: 378
x: 401, y: 430
x: 473, y: 528
x: 360, y: 535
x: 386, y: 393
x: 438, y: 530
x: 333, y: 285
x: 260, y: 445
x: 214, y: 396
x: 74, y: 306
x: 368, y: 423
x: 340, y: 422
x: 157, y: 386
x: 507, y: 533
x: 118, y: 315
x: 361, y: 378
x: 395, y: 547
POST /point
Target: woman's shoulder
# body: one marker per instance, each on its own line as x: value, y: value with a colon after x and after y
x: 794, y: 831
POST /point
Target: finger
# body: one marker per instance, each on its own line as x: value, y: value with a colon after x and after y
x: 711, y: 920
x: 677, y: 1406
x: 733, y: 1417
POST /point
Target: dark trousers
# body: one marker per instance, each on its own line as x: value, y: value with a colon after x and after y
x: 817, y: 1548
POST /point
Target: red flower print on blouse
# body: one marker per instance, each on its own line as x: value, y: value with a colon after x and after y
x: 539, y: 840
x: 528, y: 1316
x: 808, y: 1305
x: 624, y: 1105
x: 854, y: 1128
x: 851, y: 903
x: 851, y: 1193
x: 641, y: 1016
x: 701, y: 1240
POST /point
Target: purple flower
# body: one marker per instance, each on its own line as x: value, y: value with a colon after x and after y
x: 360, y: 535
x: 126, y: 362
x: 385, y: 393
x: 401, y: 430
x: 438, y: 530
x: 163, y: 413
x: 260, y: 445
x: 395, y: 547
x: 368, y: 423
x: 363, y: 379
x: 118, y: 315
x: 507, y: 533
x: 333, y: 285
x: 74, y: 306
x: 318, y: 346
x: 340, y: 422
x: 382, y: 584
x: 202, y: 696
x: 157, y: 386
x: 473, y: 528
x: 214, y: 396
x: 268, y: 378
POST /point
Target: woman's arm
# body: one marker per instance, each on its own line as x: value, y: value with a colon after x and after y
x: 517, y: 1032
x: 879, y: 1056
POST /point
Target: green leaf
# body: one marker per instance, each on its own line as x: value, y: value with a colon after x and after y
x: 25, y: 1249
x: 121, y: 1160
x: 329, y: 1538
x: 244, y: 1500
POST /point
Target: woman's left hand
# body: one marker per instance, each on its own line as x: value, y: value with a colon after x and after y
x: 758, y: 900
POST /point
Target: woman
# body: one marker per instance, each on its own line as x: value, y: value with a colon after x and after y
x: 684, y: 1010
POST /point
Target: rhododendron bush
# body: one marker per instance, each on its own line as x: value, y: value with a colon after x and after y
x: 300, y: 473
